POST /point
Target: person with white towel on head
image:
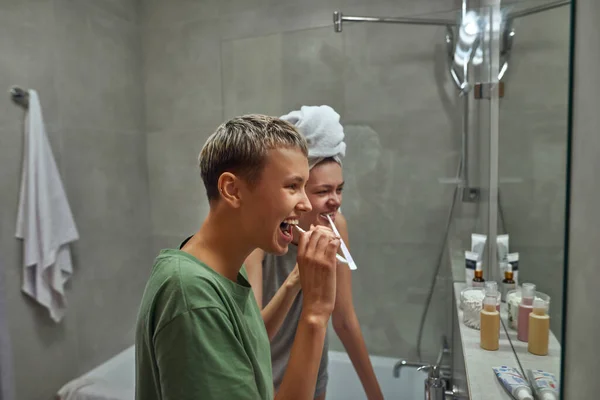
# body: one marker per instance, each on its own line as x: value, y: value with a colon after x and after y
x: 275, y: 279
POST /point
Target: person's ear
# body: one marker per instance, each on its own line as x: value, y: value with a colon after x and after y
x: 230, y: 189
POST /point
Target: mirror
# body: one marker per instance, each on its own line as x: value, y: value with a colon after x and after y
x: 532, y: 163
x: 131, y: 89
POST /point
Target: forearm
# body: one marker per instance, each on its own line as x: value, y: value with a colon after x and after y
x: 348, y: 330
x: 274, y: 313
x: 300, y: 377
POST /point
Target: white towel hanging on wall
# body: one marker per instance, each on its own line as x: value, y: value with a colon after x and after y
x: 44, y: 220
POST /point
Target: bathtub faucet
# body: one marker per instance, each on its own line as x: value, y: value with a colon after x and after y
x: 435, y: 386
x: 444, y: 349
x: 436, y: 383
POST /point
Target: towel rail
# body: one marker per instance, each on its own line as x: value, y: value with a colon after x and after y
x: 19, y: 96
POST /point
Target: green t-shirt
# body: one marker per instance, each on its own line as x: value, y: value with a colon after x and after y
x: 200, y: 335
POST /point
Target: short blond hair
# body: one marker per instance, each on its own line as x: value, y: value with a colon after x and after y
x: 240, y: 146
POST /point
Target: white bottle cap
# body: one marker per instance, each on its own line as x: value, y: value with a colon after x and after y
x: 491, y: 286
x: 524, y: 394
x: 549, y: 396
x: 528, y: 290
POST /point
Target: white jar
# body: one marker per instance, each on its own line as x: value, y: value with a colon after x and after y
x: 471, y: 302
x: 513, y: 299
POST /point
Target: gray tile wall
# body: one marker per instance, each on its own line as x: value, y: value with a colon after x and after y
x: 207, y: 61
x: 84, y: 59
x: 583, y: 320
x: 533, y: 150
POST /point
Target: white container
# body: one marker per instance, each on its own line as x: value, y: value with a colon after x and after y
x: 471, y: 300
x: 513, y: 299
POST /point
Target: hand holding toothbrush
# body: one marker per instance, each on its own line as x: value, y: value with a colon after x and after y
x: 317, y: 249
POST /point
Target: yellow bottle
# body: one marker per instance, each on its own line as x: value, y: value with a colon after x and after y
x: 490, y: 323
x: 539, y: 326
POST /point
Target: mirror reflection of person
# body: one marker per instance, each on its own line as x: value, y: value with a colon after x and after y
x: 274, y: 278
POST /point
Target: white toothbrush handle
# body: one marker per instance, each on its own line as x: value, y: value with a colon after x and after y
x: 337, y: 256
x: 341, y: 259
x: 345, y: 250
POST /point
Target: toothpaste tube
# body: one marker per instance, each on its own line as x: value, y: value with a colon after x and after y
x: 513, y: 382
x: 544, y: 384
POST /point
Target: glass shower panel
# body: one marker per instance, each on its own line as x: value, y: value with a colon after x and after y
x: 476, y: 212
x: 400, y: 119
x: 486, y: 94
x: 400, y: 113
x: 476, y: 63
x: 533, y: 148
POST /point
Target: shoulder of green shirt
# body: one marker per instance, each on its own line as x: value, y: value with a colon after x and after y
x: 185, y: 287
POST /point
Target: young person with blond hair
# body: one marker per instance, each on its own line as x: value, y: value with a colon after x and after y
x: 199, y: 331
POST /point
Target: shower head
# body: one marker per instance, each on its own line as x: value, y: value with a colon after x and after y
x: 467, y: 34
x: 337, y: 21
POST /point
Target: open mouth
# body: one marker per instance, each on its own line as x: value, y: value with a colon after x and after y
x: 287, y: 225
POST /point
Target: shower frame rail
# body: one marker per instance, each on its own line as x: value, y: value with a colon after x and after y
x: 339, y: 17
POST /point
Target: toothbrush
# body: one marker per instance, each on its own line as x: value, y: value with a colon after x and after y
x: 345, y: 251
x: 339, y: 258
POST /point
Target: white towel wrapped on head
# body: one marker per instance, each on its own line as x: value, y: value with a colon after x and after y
x: 321, y: 127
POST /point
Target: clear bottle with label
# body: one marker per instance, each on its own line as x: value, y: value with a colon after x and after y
x: 492, y: 288
x: 539, y: 326
x: 525, y: 308
x: 490, y: 323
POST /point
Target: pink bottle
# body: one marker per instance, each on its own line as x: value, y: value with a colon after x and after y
x: 525, y: 308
